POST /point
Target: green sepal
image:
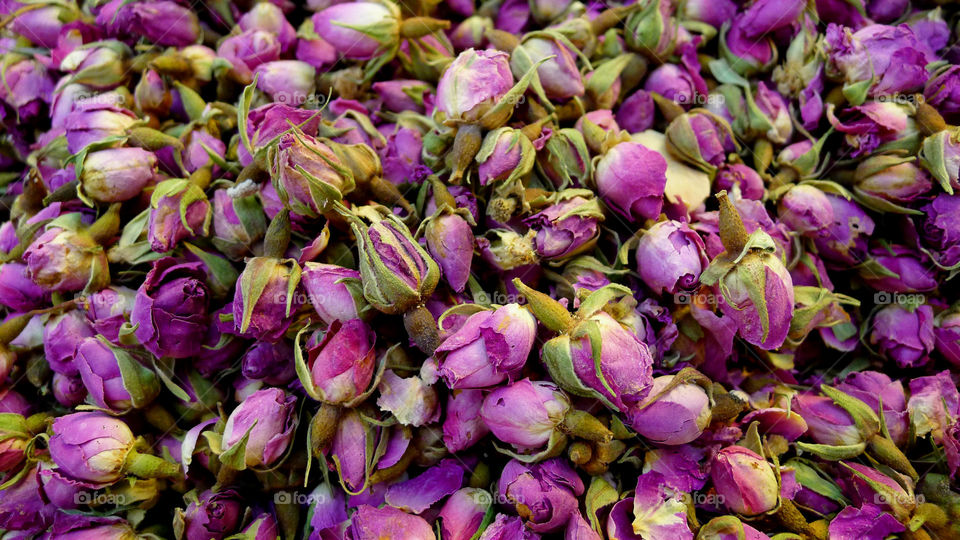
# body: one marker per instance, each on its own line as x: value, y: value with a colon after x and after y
x: 867, y: 421
x: 235, y: 457
x: 833, y: 453
x: 933, y: 158
x: 600, y: 493
x: 555, y: 446
x: 527, y: 152
x: 254, y: 280
x: 138, y: 380
x: 221, y: 275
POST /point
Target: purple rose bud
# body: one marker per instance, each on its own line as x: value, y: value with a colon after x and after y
x: 266, y: 123
x: 398, y: 274
x: 165, y: 23
x: 544, y: 494
x: 652, y: 30
x: 117, y: 174
x: 463, y: 513
x: 506, y: 154
x: 94, y: 121
x: 559, y: 76
x: 675, y: 418
x: 213, y: 515
x: 631, y: 179
x: 108, y: 310
x: 806, y: 209
x: 247, y: 50
x: 178, y: 210
x: 872, y: 387
x: 23, y: 508
x: 709, y: 11
x: 269, y: 362
x: 568, y: 227
x: 388, y: 522
x: 490, y: 347
x: 450, y: 241
x: 746, y: 179
x: 266, y: 297
x: 637, y: 112
x: 61, y: 335
x: 674, y: 83
x: 770, y: 117
x: 890, y: 178
x: 767, y: 16
x: 846, y: 240
x: 68, y: 390
x: 199, y: 145
x: 875, y: 126
x: 286, y: 81
x: 864, y: 60
x: 896, y: 268
x: 308, y: 175
x: 940, y: 229
x: 170, y: 313
x: 100, y: 66
x: 747, y: 55
x: 335, y: 292
x: 267, y: 418
x: 115, y: 378
x: 238, y: 222
x: 701, y: 138
x: 264, y: 526
x: 827, y: 422
x: 18, y: 292
x: 525, y: 413
x: 411, y: 400
x: 63, y: 260
x: 404, y: 95
x: 904, y: 334
x: 41, y: 26
x: 670, y: 257
x: 341, y: 362
x: 934, y: 404
x: 463, y: 426
x: 269, y: 18
x: 745, y: 481
x: 90, y: 447
x: 358, y: 30
x: 28, y: 87
x: 473, y: 84
x: 947, y: 333
x: 81, y: 527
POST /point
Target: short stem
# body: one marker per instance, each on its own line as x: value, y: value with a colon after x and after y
x: 386, y: 192
x: 63, y: 193
x: 422, y: 328
x: 106, y: 226
x: 502, y: 41
x: 466, y: 144
x: 160, y: 418
x: 762, y: 155
x: 278, y: 235
x: 611, y: 17
x: 147, y: 466
x: 323, y: 427
x: 441, y: 195
x: 580, y: 452
x: 201, y: 177
x: 37, y: 423
x: 584, y: 425
x: 929, y: 120
x: 733, y: 234
x: 793, y: 520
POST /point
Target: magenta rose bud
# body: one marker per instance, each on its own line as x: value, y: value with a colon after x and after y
x: 170, y: 312
x: 544, y: 494
x: 165, y: 23
x: 117, y: 174
x: 559, y: 76
x: 308, y: 175
x: 630, y: 179
x: 845, y: 243
x: 212, y: 515
x: 93, y: 121
x: 247, y: 50
x: 525, y: 413
x: 356, y: 29
x: 463, y: 426
x: 269, y: 18
x: 17, y: 291
x: 872, y: 388
x: 270, y: 121
x: 267, y: 295
x: 61, y: 335
x: 742, y: 176
x: 827, y: 422
x: 506, y: 153
x: 745, y: 480
x: 287, y: 81
x: 68, y: 390
x: 568, y: 226
x: 677, y: 417
x: 473, y: 84
x: 637, y: 112
x: 674, y: 83
x: 450, y: 241
x: 670, y: 257
x: 63, y: 260
x: 940, y: 229
x: 108, y: 309
x: 341, y: 363
x: 115, y: 378
x: 238, y: 222
x: 904, y: 334
x: 90, y: 447
x: 767, y: 16
x: 334, y: 292
x: 269, y: 416
x: 806, y: 209
x: 178, y: 210
x: 942, y: 90
x: 492, y: 346
x: 462, y: 514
